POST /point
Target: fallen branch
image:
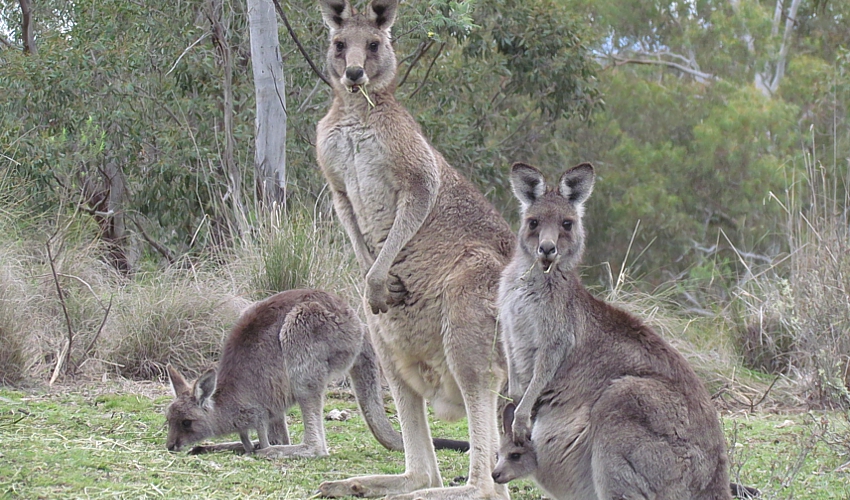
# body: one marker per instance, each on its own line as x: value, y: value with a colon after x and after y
x: 764, y: 396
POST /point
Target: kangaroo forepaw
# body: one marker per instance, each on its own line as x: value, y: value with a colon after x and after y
x: 377, y: 294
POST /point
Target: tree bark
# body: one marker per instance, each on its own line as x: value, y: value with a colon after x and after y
x: 28, y: 28
x: 270, y: 122
x: 765, y: 81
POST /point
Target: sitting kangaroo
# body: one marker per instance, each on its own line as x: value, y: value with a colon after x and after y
x: 283, y: 351
x: 618, y: 412
x: 518, y: 458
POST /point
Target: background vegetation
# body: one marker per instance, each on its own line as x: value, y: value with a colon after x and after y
x: 719, y: 131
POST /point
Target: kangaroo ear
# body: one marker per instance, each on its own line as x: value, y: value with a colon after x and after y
x: 335, y: 12
x: 508, y: 420
x: 205, y: 387
x: 382, y: 13
x: 528, y: 183
x: 576, y: 184
x: 178, y: 383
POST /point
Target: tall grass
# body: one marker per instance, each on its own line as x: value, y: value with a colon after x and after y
x: 299, y: 247
x: 173, y: 316
x: 794, y: 318
x: 17, y: 352
x: 14, y: 328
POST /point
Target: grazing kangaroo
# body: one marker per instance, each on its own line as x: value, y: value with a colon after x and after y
x: 283, y: 351
x: 431, y: 248
x: 618, y: 412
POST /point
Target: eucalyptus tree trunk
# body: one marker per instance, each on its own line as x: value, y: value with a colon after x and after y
x: 766, y: 82
x: 270, y: 124
x: 28, y: 27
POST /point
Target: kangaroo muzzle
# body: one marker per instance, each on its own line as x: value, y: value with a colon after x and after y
x: 354, y: 78
x: 547, y: 251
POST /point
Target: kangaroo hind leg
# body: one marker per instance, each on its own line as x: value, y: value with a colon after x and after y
x: 475, y: 359
x: 637, y: 449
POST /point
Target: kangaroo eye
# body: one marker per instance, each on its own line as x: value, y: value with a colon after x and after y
x: 340, y: 46
x: 186, y: 424
x: 532, y: 223
x: 568, y: 225
x: 373, y: 46
x: 515, y: 456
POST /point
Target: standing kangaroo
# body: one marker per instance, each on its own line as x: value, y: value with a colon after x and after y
x: 283, y: 351
x: 618, y: 412
x: 431, y: 248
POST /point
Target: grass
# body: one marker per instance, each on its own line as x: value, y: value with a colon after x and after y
x: 108, y: 441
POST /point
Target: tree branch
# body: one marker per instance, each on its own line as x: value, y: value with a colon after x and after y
x: 28, y: 28
x: 5, y: 41
x: 428, y: 72
x: 100, y: 329
x: 159, y: 248
x: 421, y: 50
x: 298, y: 43
x: 660, y: 62
x: 65, y: 358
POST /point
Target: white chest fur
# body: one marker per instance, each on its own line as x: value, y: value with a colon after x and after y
x: 357, y: 163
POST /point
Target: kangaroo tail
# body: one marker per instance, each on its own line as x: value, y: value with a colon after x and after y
x: 741, y: 491
x: 365, y: 376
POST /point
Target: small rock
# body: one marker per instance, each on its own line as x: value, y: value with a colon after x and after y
x: 338, y: 415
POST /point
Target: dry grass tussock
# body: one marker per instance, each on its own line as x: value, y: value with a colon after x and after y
x: 16, y: 345
x: 173, y: 316
x: 302, y: 247
x: 701, y: 340
x: 794, y: 318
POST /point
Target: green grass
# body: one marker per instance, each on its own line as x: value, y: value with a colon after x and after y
x: 109, y: 442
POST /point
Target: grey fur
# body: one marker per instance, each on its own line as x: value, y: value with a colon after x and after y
x: 431, y: 249
x: 617, y: 412
x: 283, y: 351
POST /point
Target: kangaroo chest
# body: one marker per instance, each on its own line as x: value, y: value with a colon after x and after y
x: 531, y: 312
x: 357, y: 163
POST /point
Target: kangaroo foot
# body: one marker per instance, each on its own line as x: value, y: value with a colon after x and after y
x: 374, y: 486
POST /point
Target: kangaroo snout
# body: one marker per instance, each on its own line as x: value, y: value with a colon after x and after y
x: 547, y: 249
x: 354, y: 73
x: 354, y: 77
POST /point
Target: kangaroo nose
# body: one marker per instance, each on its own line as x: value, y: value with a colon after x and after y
x: 547, y: 248
x: 496, y: 476
x: 354, y: 73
